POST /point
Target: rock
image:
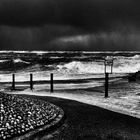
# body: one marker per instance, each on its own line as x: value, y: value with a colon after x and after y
x: 134, y: 77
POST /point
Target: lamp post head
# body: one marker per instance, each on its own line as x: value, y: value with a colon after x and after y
x: 108, y: 62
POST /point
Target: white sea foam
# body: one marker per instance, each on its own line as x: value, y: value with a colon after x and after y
x: 82, y: 67
x: 20, y: 61
x: 1, y: 61
x: 121, y: 65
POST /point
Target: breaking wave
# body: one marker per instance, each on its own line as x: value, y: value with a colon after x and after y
x: 82, y: 67
x: 120, y: 66
x: 20, y: 61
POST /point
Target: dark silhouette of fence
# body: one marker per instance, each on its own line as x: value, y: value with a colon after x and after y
x: 52, y: 83
x: 31, y: 82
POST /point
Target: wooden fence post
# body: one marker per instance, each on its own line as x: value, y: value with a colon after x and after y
x: 106, y: 84
x: 51, y: 82
x: 13, y: 81
x: 31, y: 81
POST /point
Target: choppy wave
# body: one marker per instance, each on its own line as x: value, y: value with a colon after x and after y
x: 69, y: 62
x: 15, y: 64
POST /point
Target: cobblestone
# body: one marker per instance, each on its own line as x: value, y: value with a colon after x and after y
x: 20, y: 114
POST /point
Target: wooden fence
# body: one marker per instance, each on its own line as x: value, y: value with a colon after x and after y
x: 52, y: 83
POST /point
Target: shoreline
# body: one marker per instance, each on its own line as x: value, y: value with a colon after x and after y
x: 87, y: 117
x: 118, y: 105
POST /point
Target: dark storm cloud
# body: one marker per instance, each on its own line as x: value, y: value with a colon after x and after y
x: 89, y: 14
x: 28, y: 38
x: 41, y: 24
x: 103, y: 41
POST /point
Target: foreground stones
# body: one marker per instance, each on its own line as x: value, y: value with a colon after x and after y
x: 19, y: 115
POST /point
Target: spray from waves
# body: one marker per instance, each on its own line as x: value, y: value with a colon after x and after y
x: 136, y: 57
x: 81, y: 67
x: 120, y: 66
x: 20, y: 61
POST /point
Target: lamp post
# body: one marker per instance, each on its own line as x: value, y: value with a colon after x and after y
x: 108, y: 70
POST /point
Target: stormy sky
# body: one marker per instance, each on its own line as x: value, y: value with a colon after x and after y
x: 91, y: 25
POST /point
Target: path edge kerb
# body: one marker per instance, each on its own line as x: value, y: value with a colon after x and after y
x: 52, y: 126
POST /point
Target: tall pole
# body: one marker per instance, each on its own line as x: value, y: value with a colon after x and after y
x: 31, y: 81
x: 13, y: 81
x: 106, y: 84
x: 51, y: 82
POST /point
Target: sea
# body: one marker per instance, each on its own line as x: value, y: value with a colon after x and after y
x: 75, y: 72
